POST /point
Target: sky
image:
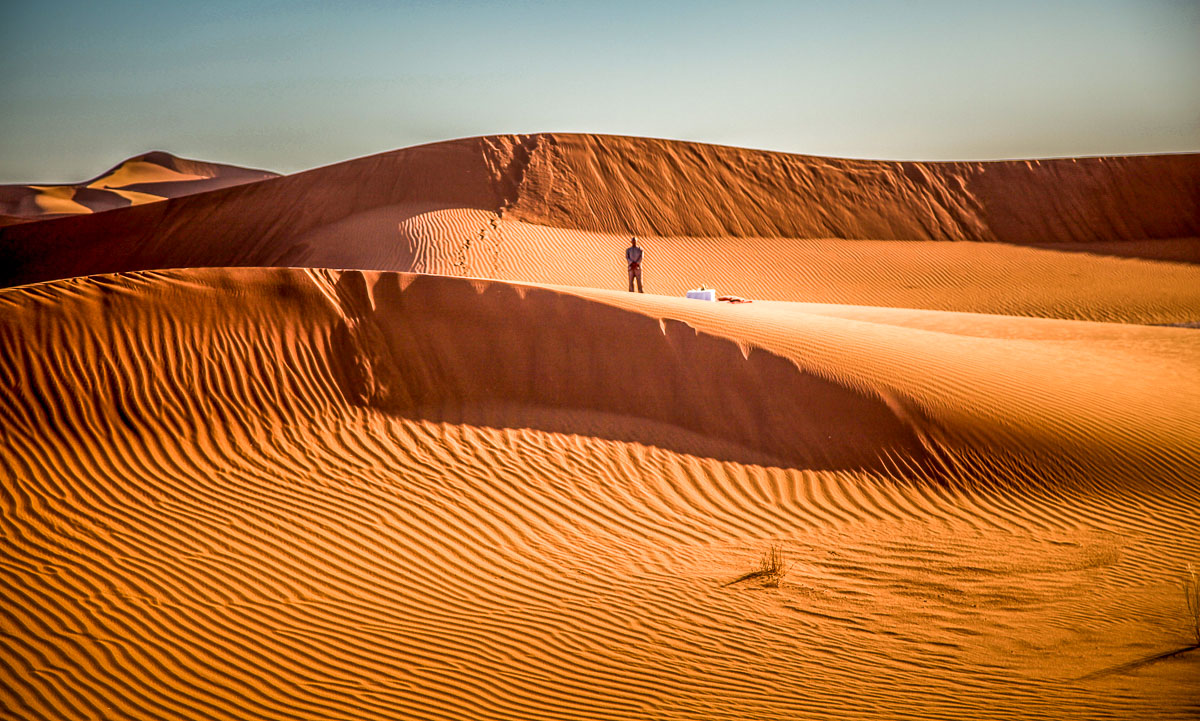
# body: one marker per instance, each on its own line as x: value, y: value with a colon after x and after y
x: 287, y: 86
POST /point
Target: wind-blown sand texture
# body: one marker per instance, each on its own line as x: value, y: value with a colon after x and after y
x: 305, y: 493
x: 146, y: 178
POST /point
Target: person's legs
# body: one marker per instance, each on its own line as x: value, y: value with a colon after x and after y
x: 638, y: 274
x: 631, y: 275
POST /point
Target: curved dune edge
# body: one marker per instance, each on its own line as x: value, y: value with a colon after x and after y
x: 321, y: 494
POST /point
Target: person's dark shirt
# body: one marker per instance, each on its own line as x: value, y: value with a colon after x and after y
x: 633, y: 254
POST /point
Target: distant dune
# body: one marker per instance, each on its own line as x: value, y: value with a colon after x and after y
x: 338, y: 491
x: 146, y: 178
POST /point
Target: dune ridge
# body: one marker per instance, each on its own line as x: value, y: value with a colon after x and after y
x: 1144, y: 206
x: 662, y: 187
x: 272, y: 493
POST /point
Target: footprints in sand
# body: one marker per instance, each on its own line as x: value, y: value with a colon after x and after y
x: 508, y: 162
x: 488, y: 241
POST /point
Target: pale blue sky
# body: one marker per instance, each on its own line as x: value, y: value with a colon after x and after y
x: 293, y: 85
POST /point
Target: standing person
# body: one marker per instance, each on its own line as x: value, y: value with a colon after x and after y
x: 633, y: 254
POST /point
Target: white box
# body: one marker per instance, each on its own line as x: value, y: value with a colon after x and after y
x: 703, y: 294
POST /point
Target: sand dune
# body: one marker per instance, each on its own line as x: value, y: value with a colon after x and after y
x: 1113, y: 239
x: 239, y: 485
x: 314, y: 494
x: 145, y: 178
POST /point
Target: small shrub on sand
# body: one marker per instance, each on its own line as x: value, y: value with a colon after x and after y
x: 1191, y: 596
x: 770, y: 571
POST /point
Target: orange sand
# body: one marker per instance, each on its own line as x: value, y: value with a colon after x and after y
x: 303, y: 493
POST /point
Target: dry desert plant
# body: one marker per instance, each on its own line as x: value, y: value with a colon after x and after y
x: 1191, y: 596
x: 770, y: 570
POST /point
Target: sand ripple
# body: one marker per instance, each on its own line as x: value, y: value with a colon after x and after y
x: 313, y: 494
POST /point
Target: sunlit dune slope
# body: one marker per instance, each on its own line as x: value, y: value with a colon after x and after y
x: 1046, y: 281
x: 273, y: 493
x: 1094, y: 238
x: 145, y: 178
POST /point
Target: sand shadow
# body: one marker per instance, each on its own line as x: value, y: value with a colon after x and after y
x: 1139, y: 663
x: 1164, y: 250
x: 497, y: 355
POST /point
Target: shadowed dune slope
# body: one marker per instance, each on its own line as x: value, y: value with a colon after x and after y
x: 276, y: 493
x: 145, y: 178
x: 363, y: 211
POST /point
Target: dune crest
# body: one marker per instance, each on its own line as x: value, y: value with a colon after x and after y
x: 447, y: 203
x: 668, y: 188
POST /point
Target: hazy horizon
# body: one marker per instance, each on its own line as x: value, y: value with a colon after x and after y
x: 286, y: 87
